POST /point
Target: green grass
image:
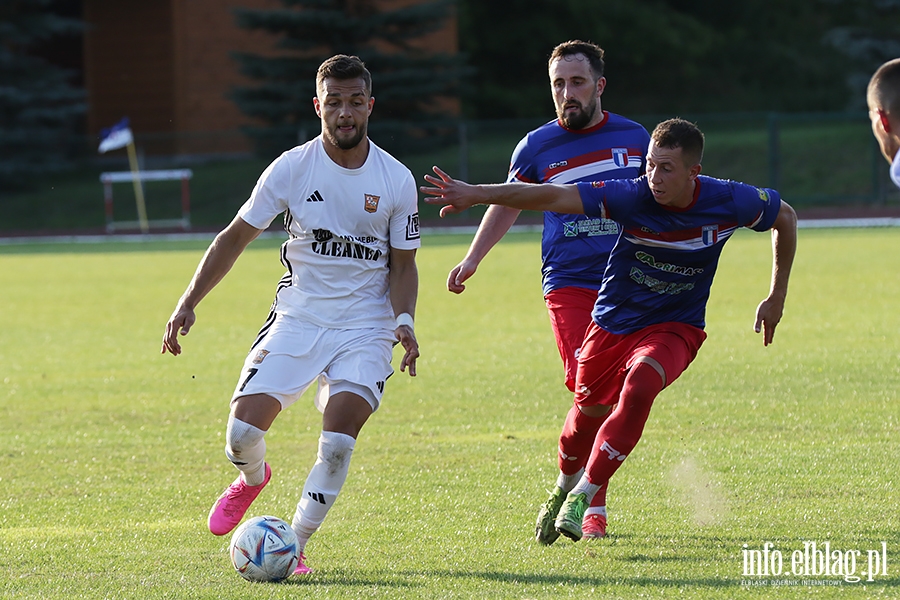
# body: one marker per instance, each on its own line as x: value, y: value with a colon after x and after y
x: 112, y: 454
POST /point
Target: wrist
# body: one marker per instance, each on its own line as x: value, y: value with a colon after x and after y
x: 405, y: 319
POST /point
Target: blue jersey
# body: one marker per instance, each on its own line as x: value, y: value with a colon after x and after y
x: 662, y: 266
x: 574, y: 248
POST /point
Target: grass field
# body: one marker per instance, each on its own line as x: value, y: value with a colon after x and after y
x: 112, y: 454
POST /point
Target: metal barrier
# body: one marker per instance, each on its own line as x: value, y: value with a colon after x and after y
x: 109, y: 178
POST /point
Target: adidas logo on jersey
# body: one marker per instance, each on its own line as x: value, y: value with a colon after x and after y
x: 315, y: 197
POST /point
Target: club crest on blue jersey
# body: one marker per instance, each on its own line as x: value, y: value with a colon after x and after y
x: 710, y: 234
x: 620, y: 157
x: 372, y: 203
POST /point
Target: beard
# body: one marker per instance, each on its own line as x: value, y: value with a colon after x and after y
x: 344, y: 142
x: 580, y: 118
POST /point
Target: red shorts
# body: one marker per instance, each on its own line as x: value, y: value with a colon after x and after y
x: 570, y: 316
x: 606, y: 358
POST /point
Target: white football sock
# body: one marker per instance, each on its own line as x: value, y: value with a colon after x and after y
x: 586, y: 487
x: 245, y: 446
x: 567, y: 482
x: 322, y: 484
x: 595, y: 510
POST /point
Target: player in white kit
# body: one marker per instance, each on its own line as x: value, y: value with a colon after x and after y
x: 349, y: 294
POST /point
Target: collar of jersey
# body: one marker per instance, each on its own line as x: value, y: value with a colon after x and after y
x: 589, y: 129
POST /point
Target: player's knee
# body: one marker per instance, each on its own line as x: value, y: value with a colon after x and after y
x: 335, y: 450
x: 243, y: 442
x: 642, y: 385
x: 596, y: 411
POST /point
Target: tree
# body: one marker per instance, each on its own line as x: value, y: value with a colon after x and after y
x: 511, y: 78
x: 39, y: 107
x: 868, y: 34
x: 663, y: 57
x: 408, y: 82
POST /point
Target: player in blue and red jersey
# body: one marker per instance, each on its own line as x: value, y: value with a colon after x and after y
x: 584, y: 143
x: 649, y: 316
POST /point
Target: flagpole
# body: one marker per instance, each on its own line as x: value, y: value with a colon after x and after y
x: 138, y: 188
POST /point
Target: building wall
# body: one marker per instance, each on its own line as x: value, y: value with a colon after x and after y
x: 167, y: 65
x: 129, y: 63
x: 205, y: 36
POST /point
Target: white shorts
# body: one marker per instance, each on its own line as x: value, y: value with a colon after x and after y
x: 291, y: 354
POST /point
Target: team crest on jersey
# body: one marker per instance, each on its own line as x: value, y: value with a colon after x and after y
x: 710, y: 234
x: 372, y: 203
x: 260, y: 355
x: 620, y: 157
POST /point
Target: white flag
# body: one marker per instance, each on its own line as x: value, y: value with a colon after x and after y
x: 117, y: 136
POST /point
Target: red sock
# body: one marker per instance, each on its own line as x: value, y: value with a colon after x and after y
x: 577, y: 439
x: 599, y: 498
x: 621, y: 431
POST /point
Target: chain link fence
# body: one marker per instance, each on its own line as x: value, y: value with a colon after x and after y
x: 816, y: 160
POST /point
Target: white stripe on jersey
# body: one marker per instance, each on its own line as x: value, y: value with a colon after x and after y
x: 587, y: 172
x: 688, y: 245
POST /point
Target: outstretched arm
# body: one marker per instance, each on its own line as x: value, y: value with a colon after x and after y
x: 215, y: 264
x: 404, y: 290
x: 784, y: 246
x: 458, y: 195
x: 494, y: 224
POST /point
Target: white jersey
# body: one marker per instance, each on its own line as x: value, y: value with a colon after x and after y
x: 341, y: 225
x: 895, y: 170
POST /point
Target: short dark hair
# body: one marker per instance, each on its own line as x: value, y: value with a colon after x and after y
x: 593, y: 52
x: 884, y: 88
x: 343, y: 67
x: 679, y: 133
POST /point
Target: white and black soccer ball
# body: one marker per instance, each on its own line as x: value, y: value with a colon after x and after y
x: 264, y: 549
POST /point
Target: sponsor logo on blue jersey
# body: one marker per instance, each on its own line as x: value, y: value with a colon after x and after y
x: 590, y: 227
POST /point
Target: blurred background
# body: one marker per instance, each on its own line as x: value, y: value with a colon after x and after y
x: 222, y: 87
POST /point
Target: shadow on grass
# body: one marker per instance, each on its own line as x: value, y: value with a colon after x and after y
x: 588, y: 580
x: 339, y: 577
x: 407, y: 580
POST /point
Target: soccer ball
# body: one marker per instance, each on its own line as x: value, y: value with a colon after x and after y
x: 264, y: 549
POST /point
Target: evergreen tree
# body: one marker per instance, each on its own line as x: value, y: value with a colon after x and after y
x: 868, y: 34
x: 39, y: 108
x: 408, y: 82
x: 664, y: 57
